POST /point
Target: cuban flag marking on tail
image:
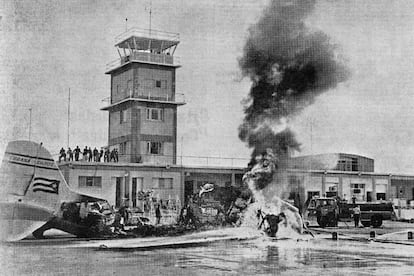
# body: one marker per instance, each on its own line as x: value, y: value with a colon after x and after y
x: 41, y: 184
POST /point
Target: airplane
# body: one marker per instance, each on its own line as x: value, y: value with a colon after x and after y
x: 35, y: 197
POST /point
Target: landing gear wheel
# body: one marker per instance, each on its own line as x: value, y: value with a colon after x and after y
x: 322, y: 221
x: 376, y: 221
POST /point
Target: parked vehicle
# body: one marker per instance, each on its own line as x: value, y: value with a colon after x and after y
x: 328, y: 211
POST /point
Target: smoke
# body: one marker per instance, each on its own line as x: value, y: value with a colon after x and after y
x: 289, y: 66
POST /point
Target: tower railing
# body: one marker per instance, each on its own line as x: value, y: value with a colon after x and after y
x: 154, y: 34
x: 178, y: 98
x: 146, y: 57
x: 165, y: 159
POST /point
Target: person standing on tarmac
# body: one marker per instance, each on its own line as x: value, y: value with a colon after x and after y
x: 158, y: 214
x: 357, y: 214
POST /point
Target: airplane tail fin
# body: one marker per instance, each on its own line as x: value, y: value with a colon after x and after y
x: 30, y: 175
x: 32, y: 189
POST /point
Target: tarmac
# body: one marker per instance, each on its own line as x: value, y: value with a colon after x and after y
x: 390, y: 231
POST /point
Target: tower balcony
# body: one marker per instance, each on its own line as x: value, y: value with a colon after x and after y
x: 178, y: 99
x: 145, y: 46
x: 144, y: 57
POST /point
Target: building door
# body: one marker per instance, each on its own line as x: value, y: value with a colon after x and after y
x: 118, y: 196
x: 134, y: 192
x: 126, y: 191
x: 188, y: 189
x: 369, y: 196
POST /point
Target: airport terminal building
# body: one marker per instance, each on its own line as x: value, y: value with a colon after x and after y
x: 142, y: 115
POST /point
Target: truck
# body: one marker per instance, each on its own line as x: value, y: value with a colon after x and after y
x: 329, y: 210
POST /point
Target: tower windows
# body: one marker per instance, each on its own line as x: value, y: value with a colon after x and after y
x: 151, y: 83
x: 122, y: 116
x: 90, y: 181
x: 154, y: 147
x: 122, y: 148
x: 155, y: 114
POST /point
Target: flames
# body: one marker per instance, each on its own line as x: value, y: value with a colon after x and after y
x: 289, y: 65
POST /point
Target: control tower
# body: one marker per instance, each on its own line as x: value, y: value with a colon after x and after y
x: 143, y: 103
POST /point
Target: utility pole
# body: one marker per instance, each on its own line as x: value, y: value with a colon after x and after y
x: 182, y: 138
x: 126, y: 24
x: 30, y: 123
x: 68, y: 117
x: 311, y: 142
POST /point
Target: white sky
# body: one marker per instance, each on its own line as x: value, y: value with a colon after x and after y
x: 49, y: 46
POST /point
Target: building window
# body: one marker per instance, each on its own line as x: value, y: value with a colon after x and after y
x: 380, y: 196
x: 162, y: 183
x: 154, y: 147
x: 161, y: 84
x: 357, y: 186
x: 348, y: 164
x: 358, y: 191
x: 155, y: 114
x: 122, y: 116
x: 354, y: 164
x: 122, y: 148
x: 90, y: 181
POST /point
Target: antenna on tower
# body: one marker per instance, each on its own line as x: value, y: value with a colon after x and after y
x: 30, y: 123
x: 150, y: 16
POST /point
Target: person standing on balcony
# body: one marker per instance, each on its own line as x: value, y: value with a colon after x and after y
x: 95, y: 154
x: 62, y: 154
x: 116, y: 155
x: 106, y: 155
x: 77, y: 151
x: 70, y: 153
x: 101, y: 153
x: 113, y: 155
x: 85, y: 154
x: 90, y: 154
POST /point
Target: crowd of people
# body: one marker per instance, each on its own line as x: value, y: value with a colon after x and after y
x: 88, y: 155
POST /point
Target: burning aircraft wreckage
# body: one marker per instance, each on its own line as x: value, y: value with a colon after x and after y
x: 288, y: 64
x: 36, y: 198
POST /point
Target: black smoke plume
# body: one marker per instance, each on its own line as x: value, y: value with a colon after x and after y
x: 289, y: 65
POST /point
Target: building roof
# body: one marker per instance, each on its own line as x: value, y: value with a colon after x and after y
x: 141, y: 39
